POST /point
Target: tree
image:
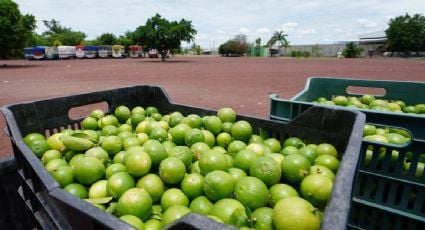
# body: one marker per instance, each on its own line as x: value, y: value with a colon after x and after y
x: 257, y: 46
x: 36, y: 40
x: 280, y: 38
x: 15, y: 29
x: 106, y: 39
x: 63, y: 34
x: 236, y: 46
x: 351, y: 50
x: 315, y: 50
x: 196, y: 48
x: 163, y: 35
x: 123, y: 40
x: 406, y: 34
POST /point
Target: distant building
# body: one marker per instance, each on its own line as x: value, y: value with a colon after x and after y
x: 372, y: 43
x: 373, y: 38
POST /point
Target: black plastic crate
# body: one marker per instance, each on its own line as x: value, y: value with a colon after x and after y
x: 14, y: 214
x: 340, y: 127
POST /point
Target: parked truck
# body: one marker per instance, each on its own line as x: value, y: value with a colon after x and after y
x: 67, y: 52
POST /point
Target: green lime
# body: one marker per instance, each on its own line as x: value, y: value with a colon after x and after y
x: 77, y: 190
x: 88, y: 170
x: 152, y: 184
x: 174, y: 213
x: 262, y: 218
x: 172, y: 170
x: 280, y: 191
x: 135, y: 201
x: 118, y: 183
x: 172, y: 197
x: 251, y: 192
x: 201, y: 205
x: 295, y: 167
x: 266, y: 169
x: 212, y: 160
x: 192, y: 185
x: 133, y: 221
x: 218, y: 185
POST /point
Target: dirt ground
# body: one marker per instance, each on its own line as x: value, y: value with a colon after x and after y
x: 212, y: 82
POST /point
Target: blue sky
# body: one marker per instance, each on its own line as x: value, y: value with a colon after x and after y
x: 305, y: 22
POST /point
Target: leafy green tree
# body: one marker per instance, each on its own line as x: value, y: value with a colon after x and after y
x: 196, y: 48
x: 406, y: 34
x: 106, y: 39
x: 315, y: 50
x: 15, y: 29
x: 163, y: 35
x: 236, y: 46
x: 124, y: 41
x: 37, y: 40
x: 65, y: 35
x: 351, y: 50
x: 257, y: 46
x: 57, y: 43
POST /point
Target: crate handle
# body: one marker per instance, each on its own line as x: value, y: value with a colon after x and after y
x: 78, y: 112
x: 400, y: 129
x: 362, y: 90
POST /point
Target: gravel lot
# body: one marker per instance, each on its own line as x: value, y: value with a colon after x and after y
x: 212, y: 82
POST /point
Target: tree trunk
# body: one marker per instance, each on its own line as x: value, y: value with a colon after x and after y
x: 163, y: 54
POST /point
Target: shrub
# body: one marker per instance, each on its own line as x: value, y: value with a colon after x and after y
x: 351, y: 50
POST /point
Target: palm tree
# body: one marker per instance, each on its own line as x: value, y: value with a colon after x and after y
x: 280, y: 38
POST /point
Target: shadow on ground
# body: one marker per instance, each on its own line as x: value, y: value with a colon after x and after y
x: 165, y: 62
x: 7, y: 66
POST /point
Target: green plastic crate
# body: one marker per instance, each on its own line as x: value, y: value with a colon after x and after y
x: 386, y: 194
x: 410, y: 92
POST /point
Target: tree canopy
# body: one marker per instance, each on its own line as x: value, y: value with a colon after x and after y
x: 163, y: 35
x: 236, y: 46
x: 15, y: 29
x: 406, y: 34
x: 65, y: 35
x: 280, y: 38
x: 106, y: 39
x: 351, y: 50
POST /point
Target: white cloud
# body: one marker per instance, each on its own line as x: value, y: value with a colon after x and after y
x: 244, y: 30
x: 289, y: 26
x: 304, y: 21
x: 263, y: 30
x: 307, y: 31
x: 366, y: 23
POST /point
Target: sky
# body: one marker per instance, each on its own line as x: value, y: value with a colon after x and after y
x: 216, y: 21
